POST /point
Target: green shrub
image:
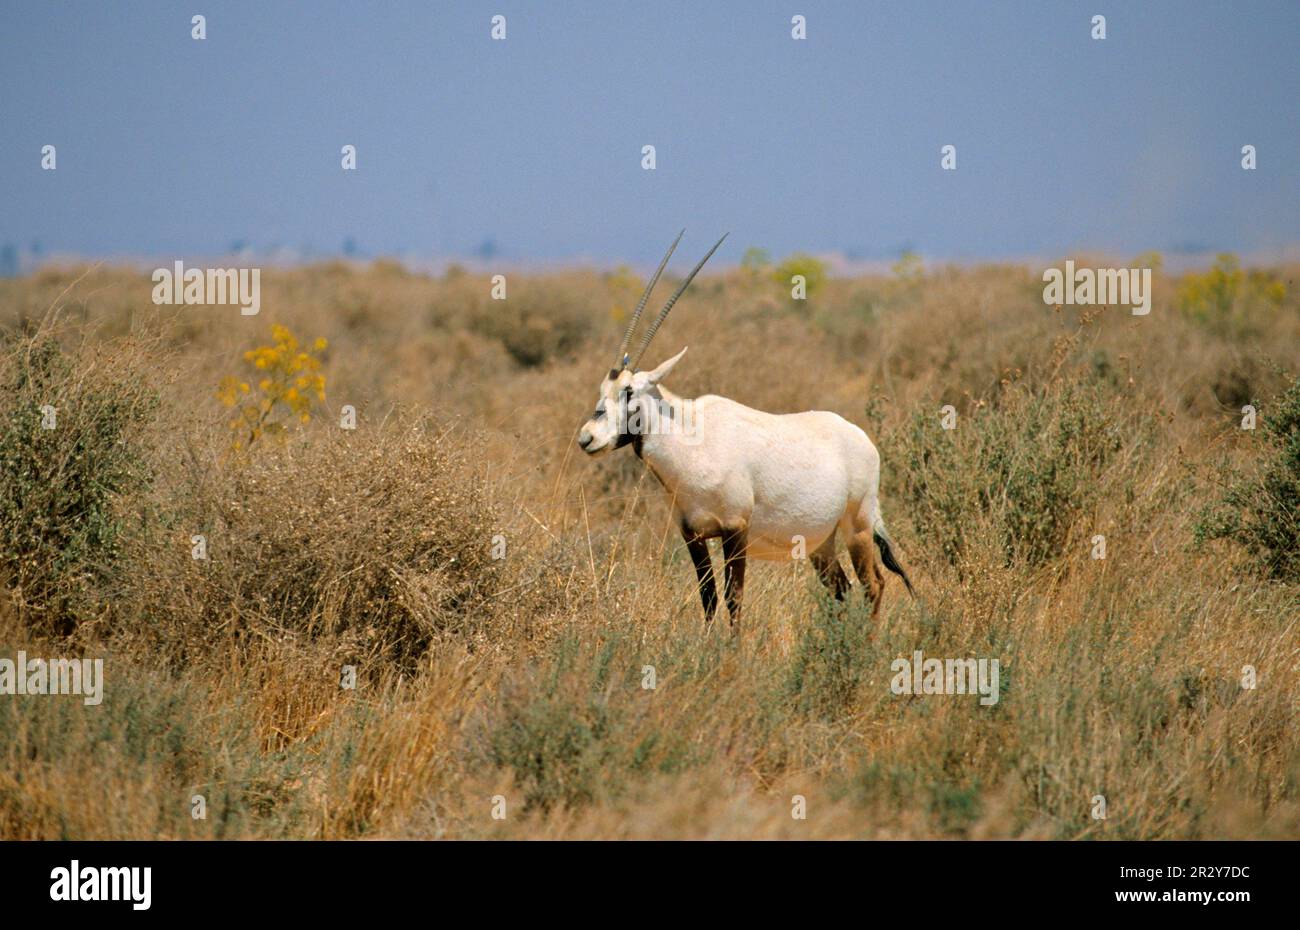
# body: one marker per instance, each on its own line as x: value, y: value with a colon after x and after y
x: 61, y: 478
x: 1262, y: 512
x: 153, y: 744
x: 813, y: 271
x: 1018, y: 474
x: 830, y: 661
x: 572, y: 731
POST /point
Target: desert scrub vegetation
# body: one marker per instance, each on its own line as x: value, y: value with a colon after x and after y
x: 379, y: 548
x: 830, y: 662
x: 575, y: 728
x: 1229, y: 296
x: 71, y: 444
x: 809, y: 268
x: 543, y: 318
x: 1261, y: 510
x: 501, y: 598
x: 1016, y: 475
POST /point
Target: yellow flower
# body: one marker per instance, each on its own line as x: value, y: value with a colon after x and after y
x: 290, y: 379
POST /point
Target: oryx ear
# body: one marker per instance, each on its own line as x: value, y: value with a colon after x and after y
x: 658, y: 374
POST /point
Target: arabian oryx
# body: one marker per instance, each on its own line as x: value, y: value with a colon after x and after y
x: 769, y: 486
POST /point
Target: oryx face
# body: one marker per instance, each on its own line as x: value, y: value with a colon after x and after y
x: 630, y: 405
x: 607, y: 428
x: 628, y: 398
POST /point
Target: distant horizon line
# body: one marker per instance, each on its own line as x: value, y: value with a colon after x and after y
x: 839, y: 264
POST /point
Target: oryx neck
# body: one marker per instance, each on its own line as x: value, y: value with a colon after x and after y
x: 672, y: 424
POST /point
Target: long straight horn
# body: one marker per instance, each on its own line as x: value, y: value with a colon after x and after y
x: 621, y: 361
x: 663, y: 314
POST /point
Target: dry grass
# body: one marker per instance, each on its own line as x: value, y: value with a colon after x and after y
x: 522, y: 677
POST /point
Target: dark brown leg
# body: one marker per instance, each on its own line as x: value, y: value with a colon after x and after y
x: 733, y: 566
x: 699, y: 550
x: 828, y: 568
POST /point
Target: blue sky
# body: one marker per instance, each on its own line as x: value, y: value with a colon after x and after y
x: 170, y: 146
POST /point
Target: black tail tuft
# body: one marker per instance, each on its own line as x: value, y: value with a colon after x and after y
x: 891, y: 563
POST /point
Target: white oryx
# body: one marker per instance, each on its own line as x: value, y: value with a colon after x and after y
x: 767, y: 485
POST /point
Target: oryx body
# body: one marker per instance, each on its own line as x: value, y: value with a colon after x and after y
x: 789, y: 479
x: 770, y: 486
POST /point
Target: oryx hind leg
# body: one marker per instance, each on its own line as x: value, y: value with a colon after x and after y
x: 828, y: 568
x: 867, y: 567
x: 858, y: 528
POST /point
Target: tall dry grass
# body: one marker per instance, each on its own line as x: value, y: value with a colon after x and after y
x: 482, y: 679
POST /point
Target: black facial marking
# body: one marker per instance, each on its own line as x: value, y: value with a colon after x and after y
x: 626, y: 410
x: 624, y: 416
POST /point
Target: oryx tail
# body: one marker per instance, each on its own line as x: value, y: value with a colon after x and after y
x: 886, y: 546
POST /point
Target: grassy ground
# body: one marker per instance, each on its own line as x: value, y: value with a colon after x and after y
x: 516, y: 683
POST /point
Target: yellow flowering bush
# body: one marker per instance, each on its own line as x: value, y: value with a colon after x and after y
x: 1226, y: 291
x: 288, y: 383
x: 813, y: 269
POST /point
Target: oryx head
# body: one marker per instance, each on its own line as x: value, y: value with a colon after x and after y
x: 627, y: 395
